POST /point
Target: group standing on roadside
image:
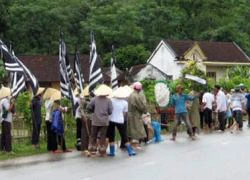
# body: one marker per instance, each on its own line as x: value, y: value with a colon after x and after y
x: 98, y: 117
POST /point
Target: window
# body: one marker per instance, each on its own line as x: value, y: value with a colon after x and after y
x: 211, y: 75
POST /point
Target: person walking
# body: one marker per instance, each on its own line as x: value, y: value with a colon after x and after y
x: 207, y: 105
x: 179, y: 102
x: 36, y: 105
x: 102, y: 108
x: 194, y: 112
x: 221, y: 107
x: 7, y: 106
x: 136, y: 107
x: 119, y: 113
x: 237, y: 104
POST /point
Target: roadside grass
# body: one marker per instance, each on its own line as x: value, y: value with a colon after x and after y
x: 22, y: 147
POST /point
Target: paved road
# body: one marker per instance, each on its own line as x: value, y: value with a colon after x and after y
x: 211, y: 157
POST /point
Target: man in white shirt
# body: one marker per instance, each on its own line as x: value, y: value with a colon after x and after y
x: 7, y: 109
x: 221, y: 106
x: 117, y: 119
x: 207, y: 102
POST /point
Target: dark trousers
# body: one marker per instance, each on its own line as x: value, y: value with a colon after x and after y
x: 248, y: 113
x: 101, y: 132
x: 61, y: 142
x: 111, y: 132
x: 36, y: 128
x: 208, y: 117
x: 6, y: 137
x: 164, y: 121
x: 222, y: 117
x: 201, y: 119
x: 51, y: 138
x: 85, y: 133
x: 78, y: 128
x: 125, y: 129
x: 238, y: 117
x: 182, y: 117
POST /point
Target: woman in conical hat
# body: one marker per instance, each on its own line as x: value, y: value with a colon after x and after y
x: 101, y: 107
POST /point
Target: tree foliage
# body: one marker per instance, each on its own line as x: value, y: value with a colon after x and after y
x: 33, y: 26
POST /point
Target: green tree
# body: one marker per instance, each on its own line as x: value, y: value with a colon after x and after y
x: 128, y: 56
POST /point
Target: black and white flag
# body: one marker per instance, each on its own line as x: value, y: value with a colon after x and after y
x: 65, y: 84
x: 78, y: 73
x: 29, y: 75
x: 16, y: 72
x: 95, y: 73
x: 114, y: 81
x: 10, y: 63
x: 17, y: 84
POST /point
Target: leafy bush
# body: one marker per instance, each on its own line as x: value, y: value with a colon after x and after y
x: 23, y: 109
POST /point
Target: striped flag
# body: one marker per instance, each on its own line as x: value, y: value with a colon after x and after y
x: 15, y: 70
x: 65, y: 84
x: 17, y: 84
x: 9, y: 61
x: 114, y: 81
x: 78, y: 72
x: 95, y: 74
x: 28, y: 74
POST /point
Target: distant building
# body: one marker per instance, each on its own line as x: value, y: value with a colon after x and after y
x: 170, y: 57
x: 46, y: 69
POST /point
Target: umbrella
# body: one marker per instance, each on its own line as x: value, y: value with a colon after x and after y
x: 196, y: 79
x: 103, y: 90
x: 49, y: 93
x: 4, y: 92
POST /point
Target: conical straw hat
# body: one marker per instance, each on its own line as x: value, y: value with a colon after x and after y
x: 122, y: 92
x: 49, y: 93
x: 76, y: 91
x: 40, y: 91
x: 56, y: 96
x: 128, y: 88
x: 103, y: 90
x: 4, y: 92
x: 85, y: 91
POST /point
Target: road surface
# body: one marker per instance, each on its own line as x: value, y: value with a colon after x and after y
x: 214, y: 156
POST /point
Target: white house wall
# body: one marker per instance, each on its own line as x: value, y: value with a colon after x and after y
x: 219, y: 70
x: 164, y: 60
x: 149, y: 72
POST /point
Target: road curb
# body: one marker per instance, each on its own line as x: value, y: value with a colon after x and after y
x: 36, y: 159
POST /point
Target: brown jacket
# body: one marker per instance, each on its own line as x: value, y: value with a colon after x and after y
x: 102, y: 108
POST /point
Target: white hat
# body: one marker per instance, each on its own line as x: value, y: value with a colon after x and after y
x: 122, y: 92
x: 103, y: 90
x: 4, y: 92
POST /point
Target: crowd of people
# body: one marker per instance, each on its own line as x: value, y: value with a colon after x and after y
x: 98, y: 117
x: 214, y: 109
